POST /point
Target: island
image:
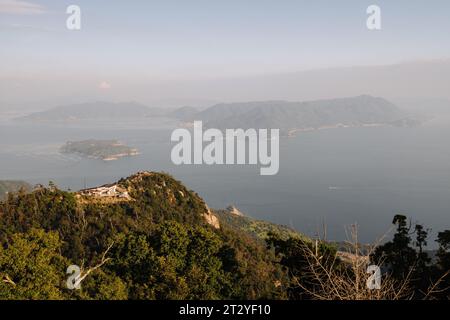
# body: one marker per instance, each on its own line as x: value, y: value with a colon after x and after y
x: 293, y: 117
x: 106, y: 150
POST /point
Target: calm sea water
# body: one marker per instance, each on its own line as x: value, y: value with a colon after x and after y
x: 336, y: 177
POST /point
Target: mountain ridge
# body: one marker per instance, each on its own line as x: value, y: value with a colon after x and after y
x: 288, y: 116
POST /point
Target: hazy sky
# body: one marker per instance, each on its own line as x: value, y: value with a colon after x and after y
x: 190, y: 39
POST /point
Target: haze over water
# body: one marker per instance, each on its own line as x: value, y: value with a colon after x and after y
x: 199, y: 53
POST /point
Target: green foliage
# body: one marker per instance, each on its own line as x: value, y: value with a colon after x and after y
x: 31, y: 266
x: 162, y: 247
x: 404, y: 260
x: 293, y: 256
x: 257, y: 228
x: 444, y: 250
x: 157, y: 245
x: 397, y: 254
x: 101, y: 286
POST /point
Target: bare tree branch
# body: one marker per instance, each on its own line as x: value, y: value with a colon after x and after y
x: 103, y: 260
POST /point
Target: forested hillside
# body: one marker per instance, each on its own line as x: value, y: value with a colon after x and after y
x: 149, y: 237
x: 157, y: 244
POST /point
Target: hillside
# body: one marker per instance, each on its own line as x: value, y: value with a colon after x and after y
x: 161, y: 239
x: 300, y: 116
x: 147, y: 236
x: 258, y: 229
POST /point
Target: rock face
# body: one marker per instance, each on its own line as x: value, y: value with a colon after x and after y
x: 234, y: 211
x: 212, y: 220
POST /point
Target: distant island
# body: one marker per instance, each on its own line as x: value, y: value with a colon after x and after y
x: 106, y: 150
x: 292, y: 117
x: 98, y: 110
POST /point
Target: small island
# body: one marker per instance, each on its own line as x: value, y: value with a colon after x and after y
x: 106, y: 150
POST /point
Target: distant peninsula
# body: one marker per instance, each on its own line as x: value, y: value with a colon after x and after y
x: 106, y: 150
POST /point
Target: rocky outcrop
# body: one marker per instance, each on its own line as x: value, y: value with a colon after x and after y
x: 211, y: 219
x: 234, y: 211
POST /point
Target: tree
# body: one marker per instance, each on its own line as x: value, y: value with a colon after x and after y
x: 175, y: 261
x: 422, y: 275
x: 397, y: 255
x: 443, y: 253
x: 31, y: 266
x: 295, y: 255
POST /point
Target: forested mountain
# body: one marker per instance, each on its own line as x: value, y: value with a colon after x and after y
x: 149, y: 237
x: 160, y: 239
x: 258, y: 229
x: 287, y: 116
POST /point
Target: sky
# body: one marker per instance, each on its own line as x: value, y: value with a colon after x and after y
x: 167, y: 41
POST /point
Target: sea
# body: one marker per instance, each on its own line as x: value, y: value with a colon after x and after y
x: 328, y: 181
